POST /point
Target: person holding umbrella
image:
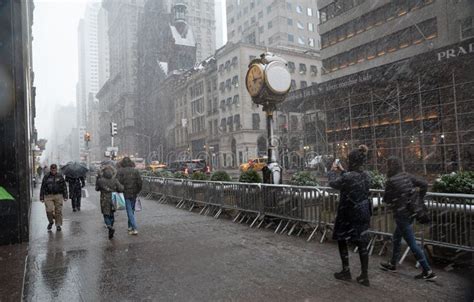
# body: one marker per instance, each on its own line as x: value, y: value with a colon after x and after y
x: 75, y: 191
x: 53, y: 192
x: 75, y: 173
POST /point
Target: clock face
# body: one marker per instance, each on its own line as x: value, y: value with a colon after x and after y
x: 277, y: 77
x: 255, y: 80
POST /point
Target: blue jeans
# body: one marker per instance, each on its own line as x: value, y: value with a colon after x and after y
x: 130, y: 206
x: 404, y: 230
x: 109, y: 220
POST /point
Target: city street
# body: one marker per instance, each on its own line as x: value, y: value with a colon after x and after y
x: 183, y: 256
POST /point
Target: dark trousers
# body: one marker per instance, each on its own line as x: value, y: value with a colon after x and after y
x: 76, y: 201
x: 363, y: 255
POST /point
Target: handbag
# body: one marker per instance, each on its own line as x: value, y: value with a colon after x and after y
x: 418, y: 208
x: 118, y: 201
x: 138, y: 205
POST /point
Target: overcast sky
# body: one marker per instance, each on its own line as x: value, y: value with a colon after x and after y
x: 55, y: 56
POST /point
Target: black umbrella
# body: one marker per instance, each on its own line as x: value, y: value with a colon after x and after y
x: 74, y: 170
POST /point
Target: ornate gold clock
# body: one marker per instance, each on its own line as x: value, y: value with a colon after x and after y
x: 255, y: 79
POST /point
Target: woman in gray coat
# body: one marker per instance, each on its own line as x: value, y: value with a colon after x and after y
x: 107, y: 183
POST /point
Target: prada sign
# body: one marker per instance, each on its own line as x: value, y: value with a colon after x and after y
x: 455, y: 52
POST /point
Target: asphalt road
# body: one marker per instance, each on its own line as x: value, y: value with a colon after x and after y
x: 183, y: 256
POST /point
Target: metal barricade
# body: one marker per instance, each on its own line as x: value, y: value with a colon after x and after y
x: 451, y: 214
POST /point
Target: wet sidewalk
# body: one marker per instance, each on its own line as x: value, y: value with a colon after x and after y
x: 183, y: 256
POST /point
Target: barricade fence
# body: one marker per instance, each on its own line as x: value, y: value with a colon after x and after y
x: 314, y: 209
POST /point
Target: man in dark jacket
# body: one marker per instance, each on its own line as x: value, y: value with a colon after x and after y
x: 402, y: 191
x: 75, y: 191
x: 131, y: 180
x: 53, y: 192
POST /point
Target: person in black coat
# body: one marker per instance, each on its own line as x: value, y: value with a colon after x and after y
x: 402, y: 193
x: 75, y: 191
x: 353, y: 213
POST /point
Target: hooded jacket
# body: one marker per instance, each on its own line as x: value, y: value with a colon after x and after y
x: 106, y: 184
x: 53, y: 184
x: 130, y: 178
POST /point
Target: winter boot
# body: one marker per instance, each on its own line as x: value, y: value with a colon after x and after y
x: 50, y: 226
x: 389, y: 267
x: 111, y: 232
x: 345, y: 275
x: 363, y: 279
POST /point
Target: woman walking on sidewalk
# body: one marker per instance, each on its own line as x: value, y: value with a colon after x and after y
x: 402, y: 191
x: 106, y: 184
x: 353, y: 213
x: 132, y: 183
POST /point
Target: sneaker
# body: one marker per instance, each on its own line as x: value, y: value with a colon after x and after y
x: 111, y: 233
x: 50, y: 226
x: 388, y: 267
x: 364, y: 280
x: 134, y: 232
x: 58, y: 228
x: 343, y: 275
x: 428, y: 276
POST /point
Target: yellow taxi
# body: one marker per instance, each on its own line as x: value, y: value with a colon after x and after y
x: 156, y: 166
x: 256, y: 164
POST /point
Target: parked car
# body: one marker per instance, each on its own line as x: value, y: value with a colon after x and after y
x: 189, y: 166
x: 256, y: 164
x: 155, y: 166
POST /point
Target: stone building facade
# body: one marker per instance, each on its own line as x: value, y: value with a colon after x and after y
x: 358, y: 35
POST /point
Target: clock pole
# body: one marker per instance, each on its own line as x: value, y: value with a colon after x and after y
x: 273, y: 90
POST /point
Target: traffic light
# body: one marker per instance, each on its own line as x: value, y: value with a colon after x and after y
x: 87, y: 137
x: 113, y: 129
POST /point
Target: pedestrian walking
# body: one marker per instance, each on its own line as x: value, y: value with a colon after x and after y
x: 106, y: 184
x: 405, y: 192
x: 75, y: 191
x: 39, y: 171
x: 353, y: 213
x: 53, y: 193
x: 132, y: 182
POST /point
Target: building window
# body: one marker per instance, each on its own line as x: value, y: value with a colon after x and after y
x: 302, y: 69
x: 270, y: 24
x: 253, y: 20
x: 336, y: 8
x: 236, y: 100
x: 230, y: 123
x: 314, y: 70
x: 260, y: 14
x: 467, y: 28
x: 299, y: 25
x: 288, y: 5
x: 221, y: 86
x: 310, y: 11
x: 234, y: 61
x: 228, y: 84
x: 289, y: 21
x: 223, y: 125
x: 229, y: 101
x: 235, y: 81
x: 311, y: 42
x: 291, y: 38
x: 291, y: 66
x: 310, y: 26
x: 293, y: 85
x: 301, y: 41
x: 237, y: 122
x: 255, y: 121
x: 299, y: 9
x: 261, y: 29
x: 269, y: 9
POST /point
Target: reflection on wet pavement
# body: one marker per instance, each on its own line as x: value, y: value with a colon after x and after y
x: 182, y: 256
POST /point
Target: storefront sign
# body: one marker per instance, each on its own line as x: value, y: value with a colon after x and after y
x: 455, y: 52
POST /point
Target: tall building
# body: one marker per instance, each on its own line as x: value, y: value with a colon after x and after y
x: 88, y: 84
x: 118, y: 100
x: 103, y: 46
x: 357, y: 35
x: 201, y: 17
x: 291, y: 24
x: 221, y: 31
x: 88, y: 60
